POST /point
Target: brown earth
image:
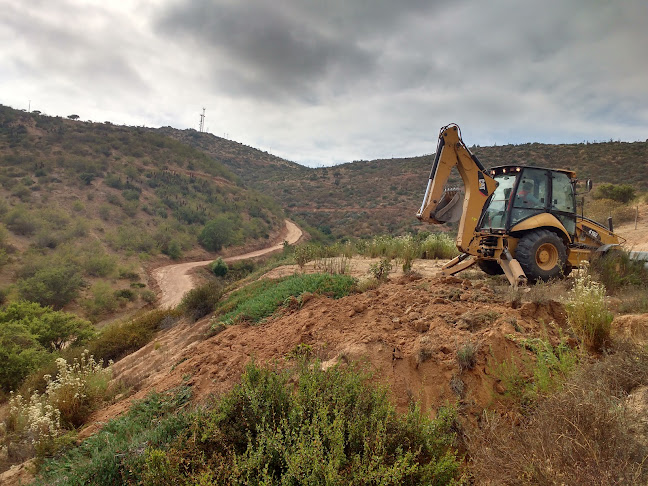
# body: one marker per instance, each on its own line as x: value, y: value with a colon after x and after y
x: 636, y: 238
x: 407, y: 330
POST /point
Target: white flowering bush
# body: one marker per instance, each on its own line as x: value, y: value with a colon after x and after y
x: 77, y: 387
x: 38, y: 420
x: 587, y: 310
x: 35, y: 420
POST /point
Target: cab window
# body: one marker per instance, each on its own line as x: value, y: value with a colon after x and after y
x: 562, y: 193
x: 495, y: 214
x: 532, y: 190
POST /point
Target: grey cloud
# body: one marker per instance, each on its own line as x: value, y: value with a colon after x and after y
x: 62, y: 41
x: 288, y: 48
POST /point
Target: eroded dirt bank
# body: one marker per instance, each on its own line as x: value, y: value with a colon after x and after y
x: 407, y: 330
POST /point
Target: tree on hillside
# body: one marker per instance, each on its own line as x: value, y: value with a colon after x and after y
x: 54, y: 286
x: 73, y: 117
x: 29, y: 334
x: 216, y: 233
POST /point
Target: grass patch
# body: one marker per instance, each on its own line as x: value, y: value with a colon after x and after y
x: 261, y: 299
x: 526, y: 379
x: 618, y: 271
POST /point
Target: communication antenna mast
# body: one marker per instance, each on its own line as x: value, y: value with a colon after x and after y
x: 202, y: 121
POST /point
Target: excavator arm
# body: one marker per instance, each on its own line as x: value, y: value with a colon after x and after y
x: 440, y: 205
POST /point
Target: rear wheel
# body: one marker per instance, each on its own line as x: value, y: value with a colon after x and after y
x: 542, y: 255
x: 490, y: 267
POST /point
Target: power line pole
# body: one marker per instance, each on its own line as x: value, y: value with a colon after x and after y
x: 202, y: 121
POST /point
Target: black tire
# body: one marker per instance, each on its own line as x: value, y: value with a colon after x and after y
x: 490, y: 267
x: 542, y: 255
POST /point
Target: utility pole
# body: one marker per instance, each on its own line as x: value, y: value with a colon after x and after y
x: 202, y: 121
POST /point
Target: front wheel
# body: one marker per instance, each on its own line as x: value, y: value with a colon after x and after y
x: 542, y: 255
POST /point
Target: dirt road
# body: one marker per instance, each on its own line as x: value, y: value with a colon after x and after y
x: 174, y: 280
x: 636, y: 238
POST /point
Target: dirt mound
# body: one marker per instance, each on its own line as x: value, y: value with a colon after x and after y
x: 407, y: 331
x: 633, y: 327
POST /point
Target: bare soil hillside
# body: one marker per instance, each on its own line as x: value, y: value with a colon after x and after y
x: 408, y: 330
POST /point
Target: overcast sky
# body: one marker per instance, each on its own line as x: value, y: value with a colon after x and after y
x: 327, y: 81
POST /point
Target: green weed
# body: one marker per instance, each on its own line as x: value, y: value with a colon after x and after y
x: 261, y: 299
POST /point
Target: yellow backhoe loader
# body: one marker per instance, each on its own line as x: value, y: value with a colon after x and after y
x: 516, y: 220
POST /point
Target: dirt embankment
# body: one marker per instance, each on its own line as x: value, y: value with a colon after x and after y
x: 175, y: 280
x: 408, y: 331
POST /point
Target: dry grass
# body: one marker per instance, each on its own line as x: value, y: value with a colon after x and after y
x: 581, y: 435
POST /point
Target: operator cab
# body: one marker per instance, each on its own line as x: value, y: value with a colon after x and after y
x: 523, y: 192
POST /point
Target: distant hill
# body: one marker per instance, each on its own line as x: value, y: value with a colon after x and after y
x: 382, y: 196
x: 95, y: 201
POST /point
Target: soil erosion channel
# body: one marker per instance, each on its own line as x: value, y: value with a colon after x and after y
x: 175, y: 280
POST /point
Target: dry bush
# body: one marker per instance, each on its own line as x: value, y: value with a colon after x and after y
x: 580, y: 435
x: 600, y: 209
x: 587, y: 310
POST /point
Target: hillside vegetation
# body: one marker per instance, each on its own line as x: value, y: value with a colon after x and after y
x: 84, y: 205
x: 365, y: 198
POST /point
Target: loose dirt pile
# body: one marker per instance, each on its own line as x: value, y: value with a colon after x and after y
x: 408, y: 330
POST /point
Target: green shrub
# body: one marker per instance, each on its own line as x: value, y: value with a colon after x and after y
x: 20, y: 354
x: 587, y: 310
x: 22, y: 222
x: 262, y: 298
x: 173, y: 250
x: 148, y: 296
x: 380, y: 271
x: 439, y: 246
x: 467, y: 356
x: 54, y: 330
x: 200, y: 301
x: 55, y: 286
x: 623, y: 193
x: 525, y: 380
x: 29, y: 334
x: 101, y: 302
x: 126, y: 294
x: 330, y: 427
x: 219, y: 267
x: 217, y: 233
x: 240, y: 269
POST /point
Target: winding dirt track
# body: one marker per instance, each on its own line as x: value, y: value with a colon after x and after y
x: 174, y: 280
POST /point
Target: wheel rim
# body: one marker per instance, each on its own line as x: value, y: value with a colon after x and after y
x: 547, y: 256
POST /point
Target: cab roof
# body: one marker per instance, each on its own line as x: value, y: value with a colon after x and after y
x: 517, y: 168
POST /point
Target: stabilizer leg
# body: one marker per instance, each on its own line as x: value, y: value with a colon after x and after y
x: 512, y: 269
x: 458, y: 264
